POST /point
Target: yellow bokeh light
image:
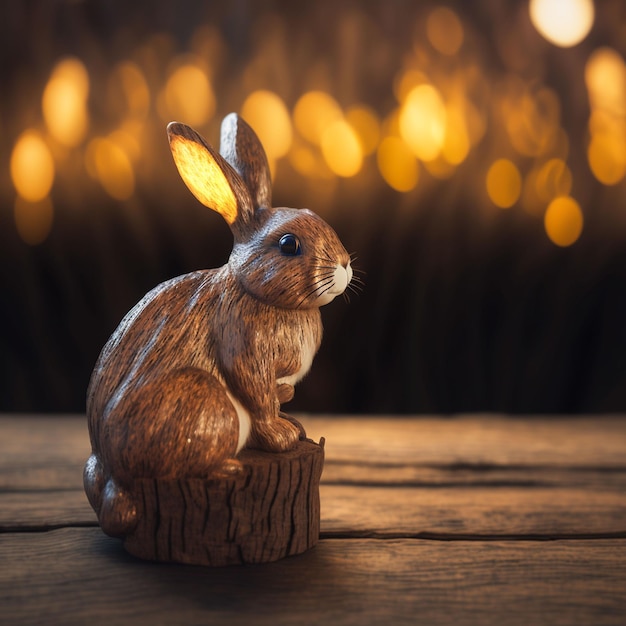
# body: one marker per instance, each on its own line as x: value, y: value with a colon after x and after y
x: 188, y: 96
x: 129, y: 82
x: 532, y: 119
x: 605, y: 76
x: 366, y: 124
x: 422, y: 122
x: 563, y: 221
x: 110, y: 165
x: 562, y: 22
x: 341, y: 149
x: 439, y: 168
x: 444, y: 30
x: 314, y: 112
x: 33, y: 220
x: 607, y: 157
x: 504, y: 183
x: 309, y: 162
x: 397, y: 164
x: 602, y: 122
x: 456, y: 144
x: 32, y: 167
x: 64, y: 102
x: 406, y: 82
x: 127, y: 140
x: 268, y: 116
x: 553, y: 179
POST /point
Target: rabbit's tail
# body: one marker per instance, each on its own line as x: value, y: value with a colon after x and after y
x: 114, y: 506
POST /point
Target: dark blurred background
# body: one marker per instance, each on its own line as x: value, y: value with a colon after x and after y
x: 471, y: 155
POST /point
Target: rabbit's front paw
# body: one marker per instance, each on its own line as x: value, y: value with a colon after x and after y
x: 277, y: 435
x: 284, y: 392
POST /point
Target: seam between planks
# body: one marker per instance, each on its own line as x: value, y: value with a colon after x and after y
x: 430, y: 536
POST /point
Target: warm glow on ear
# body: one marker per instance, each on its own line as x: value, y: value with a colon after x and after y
x: 204, y: 177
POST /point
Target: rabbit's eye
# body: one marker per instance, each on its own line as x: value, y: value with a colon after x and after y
x: 289, y: 245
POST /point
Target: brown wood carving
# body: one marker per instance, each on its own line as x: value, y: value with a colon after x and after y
x: 194, y: 377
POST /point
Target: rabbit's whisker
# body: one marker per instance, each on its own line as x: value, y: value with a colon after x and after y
x: 322, y: 282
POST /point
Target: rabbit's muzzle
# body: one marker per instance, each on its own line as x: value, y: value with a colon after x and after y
x: 341, y: 278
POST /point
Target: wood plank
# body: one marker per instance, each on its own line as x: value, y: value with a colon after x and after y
x: 57, y: 475
x: 592, y: 441
x: 78, y: 576
x: 414, y: 474
x: 44, y: 510
x: 474, y: 440
x: 37, y: 440
x: 389, y: 512
x: 40, y: 452
x: 461, y: 512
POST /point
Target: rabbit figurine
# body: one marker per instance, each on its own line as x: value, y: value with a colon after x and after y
x: 199, y: 367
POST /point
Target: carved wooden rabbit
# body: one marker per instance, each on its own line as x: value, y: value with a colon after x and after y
x: 199, y: 367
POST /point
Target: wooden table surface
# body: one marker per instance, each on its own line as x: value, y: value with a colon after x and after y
x: 464, y: 520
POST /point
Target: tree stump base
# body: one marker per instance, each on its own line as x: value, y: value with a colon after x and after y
x: 269, y: 511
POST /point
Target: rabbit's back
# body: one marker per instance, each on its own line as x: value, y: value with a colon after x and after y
x: 167, y: 330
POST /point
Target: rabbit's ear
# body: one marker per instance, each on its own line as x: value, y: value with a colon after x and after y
x: 241, y: 147
x: 209, y: 177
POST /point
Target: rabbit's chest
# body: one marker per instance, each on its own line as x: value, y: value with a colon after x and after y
x: 294, y: 342
x: 302, y: 364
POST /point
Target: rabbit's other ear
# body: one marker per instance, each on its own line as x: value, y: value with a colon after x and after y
x: 241, y: 147
x: 209, y: 177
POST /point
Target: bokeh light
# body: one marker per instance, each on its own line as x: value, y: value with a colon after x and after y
x: 605, y: 77
x: 531, y: 118
x: 33, y: 220
x: 423, y: 122
x: 607, y: 157
x: 562, y: 22
x: 397, y: 164
x: 366, y: 124
x: 314, y: 112
x: 452, y: 117
x: 342, y: 149
x: 188, y: 96
x: 456, y: 143
x: 268, y: 116
x: 309, y: 162
x: 108, y: 163
x: 64, y: 102
x: 32, y: 167
x: 444, y: 30
x: 553, y: 179
x: 128, y: 90
x: 563, y: 221
x: 504, y: 183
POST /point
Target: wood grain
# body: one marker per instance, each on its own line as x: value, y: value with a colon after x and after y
x: 391, y: 512
x: 465, y: 520
x: 270, y: 511
x: 474, y: 440
x: 77, y: 576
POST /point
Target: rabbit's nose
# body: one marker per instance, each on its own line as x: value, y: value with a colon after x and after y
x: 348, y: 268
x: 342, y: 278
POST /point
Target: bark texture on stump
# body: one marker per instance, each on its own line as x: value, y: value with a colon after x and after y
x: 269, y: 511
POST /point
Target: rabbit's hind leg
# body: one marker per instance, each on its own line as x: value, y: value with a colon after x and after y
x: 180, y: 425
